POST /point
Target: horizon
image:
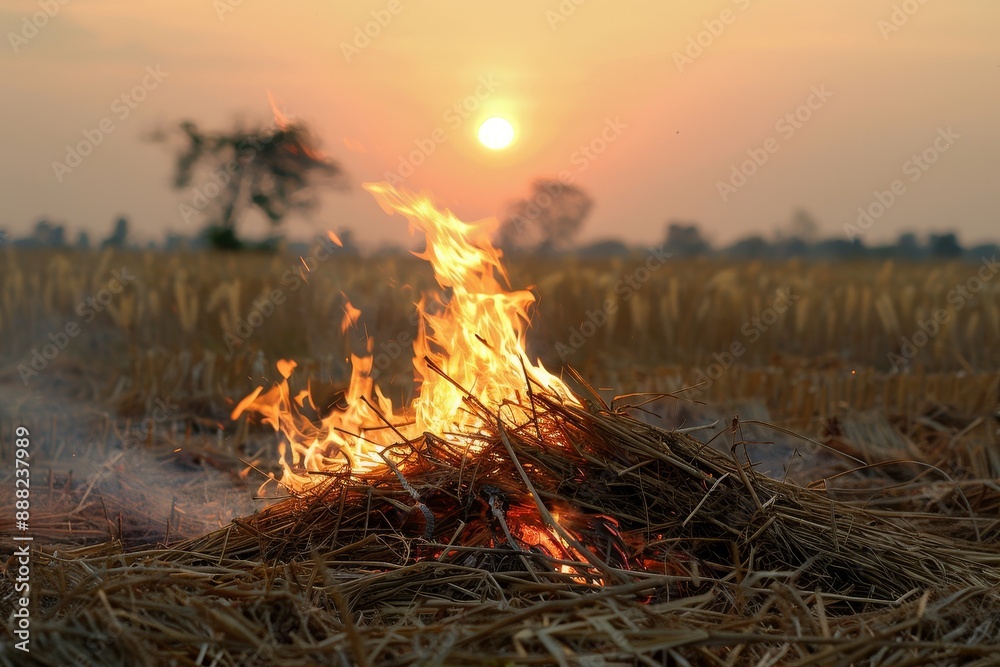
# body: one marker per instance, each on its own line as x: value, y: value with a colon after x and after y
x: 935, y: 245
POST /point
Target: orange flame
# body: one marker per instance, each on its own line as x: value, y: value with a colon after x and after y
x: 351, y: 316
x: 474, y: 335
x: 287, y: 123
x: 280, y: 119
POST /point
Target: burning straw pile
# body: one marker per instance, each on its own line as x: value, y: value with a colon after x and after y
x: 579, y: 537
x: 503, y: 518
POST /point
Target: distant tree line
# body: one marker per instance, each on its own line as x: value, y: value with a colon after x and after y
x: 47, y: 234
x: 548, y: 221
x: 801, y: 239
x: 276, y: 170
x: 683, y: 239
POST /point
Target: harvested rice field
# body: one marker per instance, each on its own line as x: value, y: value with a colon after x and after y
x: 696, y: 478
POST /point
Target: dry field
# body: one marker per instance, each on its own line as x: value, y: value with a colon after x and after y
x: 684, y: 314
x: 872, y: 386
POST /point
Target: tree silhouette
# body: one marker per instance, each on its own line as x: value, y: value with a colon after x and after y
x: 274, y: 170
x: 908, y: 246
x: 686, y: 239
x: 119, y: 235
x: 547, y: 221
x: 801, y: 226
x: 754, y: 246
x: 944, y: 246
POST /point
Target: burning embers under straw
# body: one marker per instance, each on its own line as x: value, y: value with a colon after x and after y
x: 468, y: 345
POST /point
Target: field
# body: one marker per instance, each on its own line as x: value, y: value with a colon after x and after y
x: 871, y: 385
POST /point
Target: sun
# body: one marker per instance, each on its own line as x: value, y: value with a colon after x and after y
x: 496, y: 133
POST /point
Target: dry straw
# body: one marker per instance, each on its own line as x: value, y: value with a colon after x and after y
x: 671, y: 553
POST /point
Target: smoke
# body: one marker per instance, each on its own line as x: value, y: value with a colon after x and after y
x: 95, y: 475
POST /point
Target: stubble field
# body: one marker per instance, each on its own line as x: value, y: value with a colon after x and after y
x: 876, y: 383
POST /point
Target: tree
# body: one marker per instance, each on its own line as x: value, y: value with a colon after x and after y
x: 274, y: 170
x: 801, y: 226
x: 751, y: 247
x: 686, y: 239
x: 45, y: 234
x: 546, y: 222
x: 908, y: 246
x: 119, y: 235
x: 944, y: 246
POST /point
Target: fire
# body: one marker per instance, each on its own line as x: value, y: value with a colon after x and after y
x: 473, y: 334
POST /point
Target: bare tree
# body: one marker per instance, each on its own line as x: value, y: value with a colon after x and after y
x: 547, y: 221
x: 274, y: 170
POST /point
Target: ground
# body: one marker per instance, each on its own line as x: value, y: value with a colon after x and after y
x: 829, y: 377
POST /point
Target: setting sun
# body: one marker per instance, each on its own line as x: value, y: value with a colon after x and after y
x: 496, y: 133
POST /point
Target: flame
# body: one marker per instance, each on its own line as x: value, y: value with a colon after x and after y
x: 351, y: 316
x: 280, y: 118
x: 296, y: 145
x: 473, y: 332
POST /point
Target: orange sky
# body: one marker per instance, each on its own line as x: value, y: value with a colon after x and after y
x: 683, y: 125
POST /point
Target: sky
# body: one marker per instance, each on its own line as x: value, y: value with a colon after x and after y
x: 729, y: 113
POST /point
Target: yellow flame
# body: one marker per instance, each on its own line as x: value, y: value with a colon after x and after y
x: 474, y: 334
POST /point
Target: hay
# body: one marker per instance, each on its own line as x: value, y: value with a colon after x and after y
x: 583, y: 537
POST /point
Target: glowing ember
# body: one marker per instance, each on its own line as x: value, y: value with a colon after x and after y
x: 475, y: 336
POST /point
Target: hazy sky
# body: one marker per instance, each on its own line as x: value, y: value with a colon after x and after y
x: 671, y: 97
